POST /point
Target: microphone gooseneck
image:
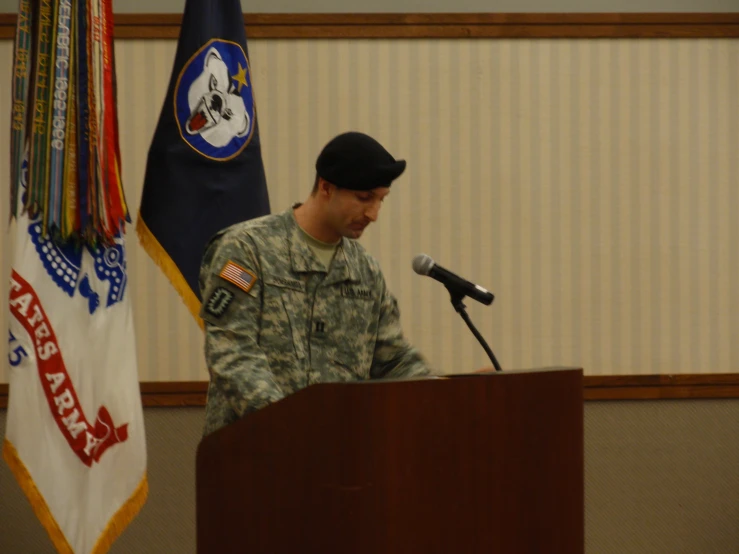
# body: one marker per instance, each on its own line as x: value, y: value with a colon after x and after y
x: 458, y: 288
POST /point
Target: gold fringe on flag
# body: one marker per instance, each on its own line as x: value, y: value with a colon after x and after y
x: 115, y: 527
x: 122, y: 517
x: 40, y: 508
x: 169, y: 268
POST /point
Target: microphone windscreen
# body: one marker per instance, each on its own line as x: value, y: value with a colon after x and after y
x: 422, y: 264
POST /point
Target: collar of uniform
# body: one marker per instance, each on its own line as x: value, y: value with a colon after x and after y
x: 341, y: 270
x: 303, y: 260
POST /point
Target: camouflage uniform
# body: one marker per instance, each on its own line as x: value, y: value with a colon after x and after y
x: 286, y: 323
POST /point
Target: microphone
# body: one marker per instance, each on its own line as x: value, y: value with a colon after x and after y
x: 424, y: 265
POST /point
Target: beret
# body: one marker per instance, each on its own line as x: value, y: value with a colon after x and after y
x: 358, y: 162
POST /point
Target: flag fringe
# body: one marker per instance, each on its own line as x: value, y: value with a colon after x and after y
x: 122, y: 518
x: 169, y: 268
x: 40, y: 508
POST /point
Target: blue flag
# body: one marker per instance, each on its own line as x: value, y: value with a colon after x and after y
x: 204, y: 170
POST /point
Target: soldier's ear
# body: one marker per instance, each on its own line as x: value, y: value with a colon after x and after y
x: 325, y: 189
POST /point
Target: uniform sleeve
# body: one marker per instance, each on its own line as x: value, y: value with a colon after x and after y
x: 231, y: 287
x: 394, y: 356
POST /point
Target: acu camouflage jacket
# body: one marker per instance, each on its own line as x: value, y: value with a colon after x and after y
x: 277, y: 322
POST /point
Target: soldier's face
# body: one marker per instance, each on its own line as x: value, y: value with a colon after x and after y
x: 350, y: 211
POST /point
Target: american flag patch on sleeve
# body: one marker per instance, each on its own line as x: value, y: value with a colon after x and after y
x: 242, y: 278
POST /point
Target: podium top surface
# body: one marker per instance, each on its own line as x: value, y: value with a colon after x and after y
x: 477, y: 373
x: 491, y: 371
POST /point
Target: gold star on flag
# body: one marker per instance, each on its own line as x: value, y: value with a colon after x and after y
x: 241, y: 77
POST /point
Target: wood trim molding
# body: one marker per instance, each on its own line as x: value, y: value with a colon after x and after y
x: 179, y: 394
x: 658, y: 387
x: 440, y: 25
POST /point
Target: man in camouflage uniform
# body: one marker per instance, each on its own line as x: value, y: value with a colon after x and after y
x: 290, y: 299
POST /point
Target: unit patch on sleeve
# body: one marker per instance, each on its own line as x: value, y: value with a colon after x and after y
x: 219, y: 301
x: 234, y: 273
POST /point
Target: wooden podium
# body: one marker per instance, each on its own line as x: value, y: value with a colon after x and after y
x: 465, y: 464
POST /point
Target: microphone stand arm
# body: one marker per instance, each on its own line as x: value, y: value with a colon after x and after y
x: 456, y: 298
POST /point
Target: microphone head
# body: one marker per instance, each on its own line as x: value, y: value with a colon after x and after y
x: 422, y: 264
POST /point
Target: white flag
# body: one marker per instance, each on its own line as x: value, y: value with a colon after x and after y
x: 75, y: 431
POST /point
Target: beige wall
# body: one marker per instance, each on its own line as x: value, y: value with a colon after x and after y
x: 590, y: 184
x: 660, y: 478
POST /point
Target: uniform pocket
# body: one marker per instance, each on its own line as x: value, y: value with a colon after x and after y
x: 355, y: 338
x: 285, y: 316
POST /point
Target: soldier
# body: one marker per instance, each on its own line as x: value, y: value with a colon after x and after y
x: 290, y: 299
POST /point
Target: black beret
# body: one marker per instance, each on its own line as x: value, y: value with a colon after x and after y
x: 358, y: 162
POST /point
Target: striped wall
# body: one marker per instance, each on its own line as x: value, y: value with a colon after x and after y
x: 590, y: 184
